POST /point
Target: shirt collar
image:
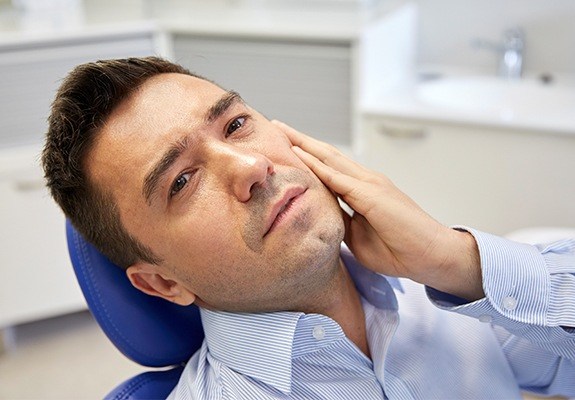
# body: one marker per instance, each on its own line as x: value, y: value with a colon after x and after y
x: 254, y: 344
x: 375, y: 288
x: 260, y: 345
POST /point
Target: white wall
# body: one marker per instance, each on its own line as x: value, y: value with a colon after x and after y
x: 448, y: 26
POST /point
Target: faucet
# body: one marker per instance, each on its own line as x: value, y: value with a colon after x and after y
x: 510, y: 51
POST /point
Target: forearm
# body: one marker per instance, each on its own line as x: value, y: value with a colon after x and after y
x: 529, y: 290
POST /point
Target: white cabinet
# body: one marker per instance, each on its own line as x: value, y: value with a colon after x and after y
x: 496, y: 180
x: 37, y: 278
x: 307, y: 84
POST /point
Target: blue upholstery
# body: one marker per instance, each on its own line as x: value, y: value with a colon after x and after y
x: 151, y: 385
x: 148, y: 330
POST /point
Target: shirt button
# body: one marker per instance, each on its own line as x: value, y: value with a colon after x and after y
x: 485, y: 318
x: 318, y: 332
x: 509, y: 303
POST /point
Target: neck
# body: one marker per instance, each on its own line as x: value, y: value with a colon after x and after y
x: 342, y: 303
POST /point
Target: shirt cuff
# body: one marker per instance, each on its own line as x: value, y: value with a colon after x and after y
x: 523, y: 284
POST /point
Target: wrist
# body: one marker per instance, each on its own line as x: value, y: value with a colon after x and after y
x: 459, y: 272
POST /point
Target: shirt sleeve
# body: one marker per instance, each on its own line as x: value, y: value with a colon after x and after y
x: 530, y: 301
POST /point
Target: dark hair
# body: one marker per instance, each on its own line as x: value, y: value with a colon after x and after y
x: 85, y: 100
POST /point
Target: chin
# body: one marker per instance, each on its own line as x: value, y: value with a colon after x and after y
x: 323, y: 245
x: 334, y: 220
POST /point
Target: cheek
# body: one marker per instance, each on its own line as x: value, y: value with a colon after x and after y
x: 205, y: 239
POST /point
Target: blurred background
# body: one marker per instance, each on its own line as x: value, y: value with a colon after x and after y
x: 467, y: 105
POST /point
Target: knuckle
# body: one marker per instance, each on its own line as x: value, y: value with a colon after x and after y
x: 331, y: 177
x: 332, y: 154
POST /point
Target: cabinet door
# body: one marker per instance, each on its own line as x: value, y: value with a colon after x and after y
x: 37, y: 278
x: 493, y: 180
x: 31, y: 73
x: 304, y: 84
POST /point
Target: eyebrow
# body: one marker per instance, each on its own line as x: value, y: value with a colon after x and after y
x: 222, y: 105
x: 153, y: 178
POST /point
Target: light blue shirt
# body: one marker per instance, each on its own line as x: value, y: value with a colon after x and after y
x: 424, y: 344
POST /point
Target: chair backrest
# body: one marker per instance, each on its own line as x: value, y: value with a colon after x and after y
x: 148, y: 330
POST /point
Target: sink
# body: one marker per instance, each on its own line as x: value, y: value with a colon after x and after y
x: 508, y: 99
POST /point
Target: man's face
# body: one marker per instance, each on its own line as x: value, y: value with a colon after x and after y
x: 214, y: 190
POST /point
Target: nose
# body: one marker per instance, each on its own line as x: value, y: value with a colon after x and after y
x: 241, y: 169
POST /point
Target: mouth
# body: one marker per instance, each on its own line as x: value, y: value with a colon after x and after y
x: 283, y: 208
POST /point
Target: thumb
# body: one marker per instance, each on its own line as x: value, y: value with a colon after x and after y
x: 358, y: 231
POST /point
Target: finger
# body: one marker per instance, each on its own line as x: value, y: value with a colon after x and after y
x: 356, y: 193
x: 335, y: 180
x: 324, y: 152
x: 357, y: 231
x: 296, y: 137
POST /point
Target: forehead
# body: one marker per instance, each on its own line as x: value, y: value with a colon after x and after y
x: 171, y: 92
x: 163, y: 103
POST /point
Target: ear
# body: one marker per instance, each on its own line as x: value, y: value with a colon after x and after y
x: 147, y: 278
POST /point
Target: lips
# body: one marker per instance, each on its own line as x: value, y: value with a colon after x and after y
x: 282, y: 207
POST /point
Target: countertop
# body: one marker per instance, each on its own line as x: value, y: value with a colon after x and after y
x: 406, y: 104
x: 316, y: 20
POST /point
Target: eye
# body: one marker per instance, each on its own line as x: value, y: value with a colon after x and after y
x: 235, y: 125
x: 180, y: 182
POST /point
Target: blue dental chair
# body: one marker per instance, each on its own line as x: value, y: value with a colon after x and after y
x: 148, y: 330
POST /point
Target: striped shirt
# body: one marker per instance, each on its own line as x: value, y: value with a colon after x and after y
x: 424, y: 344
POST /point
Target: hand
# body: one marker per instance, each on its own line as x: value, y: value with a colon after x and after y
x: 388, y: 232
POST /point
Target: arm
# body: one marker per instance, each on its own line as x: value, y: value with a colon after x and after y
x: 525, y: 285
x: 528, y: 291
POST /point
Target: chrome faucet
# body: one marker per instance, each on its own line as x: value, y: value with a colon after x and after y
x: 510, y: 50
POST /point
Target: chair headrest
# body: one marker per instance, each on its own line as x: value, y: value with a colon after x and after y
x: 146, y: 329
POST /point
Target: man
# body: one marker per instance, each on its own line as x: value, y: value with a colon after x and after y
x: 203, y: 200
